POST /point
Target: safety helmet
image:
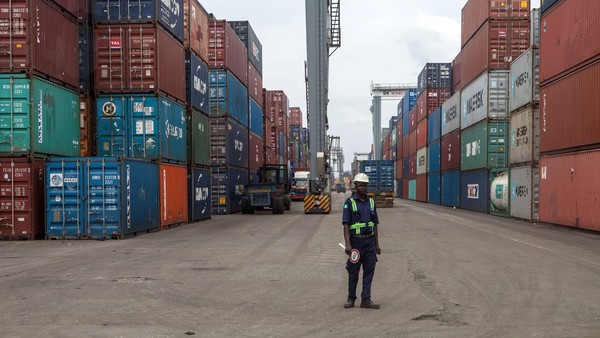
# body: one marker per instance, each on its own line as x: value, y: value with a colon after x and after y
x: 360, y: 177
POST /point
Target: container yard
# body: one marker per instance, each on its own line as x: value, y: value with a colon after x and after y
x: 138, y: 141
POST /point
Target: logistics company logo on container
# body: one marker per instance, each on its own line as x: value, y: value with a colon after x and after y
x: 255, y: 51
x: 473, y: 191
x: 115, y: 43
x: 473, y: 148
x: 109, y: 109
x: 56, y: 180
x: 128, y: 178
x: 171, y: 7
x: 40, y: 116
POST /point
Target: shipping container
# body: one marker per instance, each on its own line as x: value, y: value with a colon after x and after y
x: 450, y: 188
x: 485, y: 145
x: 173, y: 195
x: 38, y: 39
x: 398, y: 166
x: 421, y: 133
x: 535, y: 27
x: 129, y: 58
x: 277, y: 109
x: 406, y: 188
x: 493, y: 47
x: 434, y: 188
x: 228, y: 96
x: 409, y: 101
x: 569, y: 111
x: 380, y: 173
x: 87, y: 121
x: 405, y: 167
x: 500, y: 192
x: 486, y: 97
x: 412, y: 142
x: 450, y: 115
x: 412, y: 115
x: 405, y: 124
x: 199, y: 190
x: 412, y: 189
x: 100, y: 197
x: 476, y: 12
x: 37, y: 117
x: 399, y: 190
x: 547, y: 4
x: 198, y: 138
x: 457, y: 83
x: 412, y: 166
x: 525, y: 80
x: 434, y: 125
x: 569, y: 193
x: 86, y: 37
x: 570, y: 37
x: 474, y: 190
x: 435, y: 75
x: 296, y: 117
x: 227, y: 189
x: 256, y: 151
x: 270, y: 134
x: 143, y: 126
x: 434, y: 156
x: 21, y: 198
x: 271, y: 156
x: 226, y: 50
x: 195, y: 22
x: 256, y: 118
x: 244, y: 31
x: 421, y: 195
x: 430, y: 100
x: 450, y: 151
x: 196, y: 88
x: 255, y: 85
x: 524, y: 193
x: 422, y: 161
x: 525, y: 136
x: 74, y: 7
x: 168, y: 13
x: 228, y: 143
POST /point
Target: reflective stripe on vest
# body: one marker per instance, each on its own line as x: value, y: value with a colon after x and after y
x: 358, y: 225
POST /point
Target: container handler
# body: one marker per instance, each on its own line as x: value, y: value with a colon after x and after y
x: 272, y: 192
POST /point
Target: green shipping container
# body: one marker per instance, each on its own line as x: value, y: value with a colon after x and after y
x: 199, y: 139
x: 412, y: 190
x: 485, y: 145
x: 37, y: 117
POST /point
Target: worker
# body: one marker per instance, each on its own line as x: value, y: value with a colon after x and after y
x: 360, y: 222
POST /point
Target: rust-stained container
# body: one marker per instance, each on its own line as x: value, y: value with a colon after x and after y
x: 525, y: 136
x: 412, y: 166
x: 430, y: 100
x: 412, y: 142
x: 295, y: 116
x: 493, y: 47
x: 569, y: 193
x: 450, y: 157
x: 476, y: 12
x: 138, y: 58
x: 569, y: 111
x: 87, y: 121
x: 173, y: 195
x: 21, y: 198
x: 255, y: 85
x: 195, y: 23
x: 256, y: 150
x: 422, y: 134
x: 37, y: 38
x: 422, y: 188
x: 226, y: 50
x: 570, y: 36
x: 398, y: 166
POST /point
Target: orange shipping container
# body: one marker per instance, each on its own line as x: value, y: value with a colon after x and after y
x: 173, y: 195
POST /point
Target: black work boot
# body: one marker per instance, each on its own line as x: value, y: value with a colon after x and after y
x: 349, y: 303
x: 368, y: 304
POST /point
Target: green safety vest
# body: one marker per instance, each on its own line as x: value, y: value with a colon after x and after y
x: 358, y: 225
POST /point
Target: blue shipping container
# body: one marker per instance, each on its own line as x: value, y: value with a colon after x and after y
x: 434, y: 156
x: 435, y: 75
x: 256, y: 118
x: 142, y: 126
x: 228, y: 96
x: 405, y: 124
x: 168, y: 13
x: 227, y: 189
x: 474, y: 190
x: 409, y: 101
x: 433, y: 188
x: 450, y: 188
x: 434, y: 125
x: 405, y: 167
x: 196, y: 89
x: 199, y: 194
x: 229, y: 143
x: 100, y: 197
x: 547, y: 4
x: 380, y: 173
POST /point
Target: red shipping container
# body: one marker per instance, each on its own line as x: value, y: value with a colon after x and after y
x: 269, y: 136
x: 38, y: 38
x: 476, y: 12
x: 412, y: 142
x: 569, y: 36
x: 195, y: 27
x: 412, y: 166
x: 399, y: 148
x: 569, y: 115
x: 412, y: 116
x: 226, y: 50
x: 422, y: 134
x: 398, y: 174
x: 570, y: 190
x: 173, y: 195
x: 271, y: 157
x: 406, y: 145
x: 430, y: 100
x: 450, y: 152
x: 456, y: 74
x: 22, y: 198
x: 493, y: 47
x: 130, y: 58
x: 255, y: 85
x: 405, y: 182
x: 77, y: 8
x: 256, y: 151
x: 422, y: 188
x: 87, y: 121
x: 295, y: 116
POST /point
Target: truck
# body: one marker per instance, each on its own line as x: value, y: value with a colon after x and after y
x: 300, y: 184
x: 272, y: 191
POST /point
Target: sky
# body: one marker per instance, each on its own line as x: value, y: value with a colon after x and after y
x: 383, y: 41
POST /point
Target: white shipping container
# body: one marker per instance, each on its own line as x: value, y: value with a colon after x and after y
x: 525, y: 79
x: 534, y: 31
x: 485, y: 97
x: 524, y: 193
x: 422, y: 161
x: 451, y: 114
x: 525, y: 136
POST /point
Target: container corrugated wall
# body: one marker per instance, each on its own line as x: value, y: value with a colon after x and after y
x: 173, y: 195
x: 525, y: 136
x: 450, y: 151
x: 451, y: 114
x: 229, y: 143
x: 433, y: 188
x: 199, y: 188
x: 485, y: 145
x: 196, y: 88
x: 525, y: 80
x: 244, y: 31
x: 434, y: 156
x: 524, y: 193
x: 421, y: 195
x: 227, y: 189
x: 256, y: 151
x: 450, y: 188
x: 199, y: 139
x: 434, y: 124
x: 474, y: 190
x: 195, y: 28
x: 486, y: 97
x: 226, y: 50
x: 228, y: 96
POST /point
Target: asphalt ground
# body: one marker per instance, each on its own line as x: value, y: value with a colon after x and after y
x: 443, y: 272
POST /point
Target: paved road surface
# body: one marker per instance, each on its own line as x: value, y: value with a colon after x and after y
x: 443, y: 273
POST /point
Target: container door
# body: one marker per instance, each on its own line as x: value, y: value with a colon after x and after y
x: 450, y: 194
x: 103, y: 198
x: 433, y: 188
x: 144, y: 139
x: 111, y: 126
x: 15, y: 114
x: 140, y: 196
x: 173, y: 137
x: 199, y: 196
x: 64, y: 184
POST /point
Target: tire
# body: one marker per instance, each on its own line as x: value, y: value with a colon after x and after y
x: 287, y: 202
x: 246, y: 207
x: 280, y: 205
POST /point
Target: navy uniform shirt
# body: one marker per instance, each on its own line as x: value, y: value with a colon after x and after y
x: 364, y: 214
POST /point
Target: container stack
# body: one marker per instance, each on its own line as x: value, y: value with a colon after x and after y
x: 450, y: 152
x: 432, y: 162
x: 569, y: 101
x: 298, y: 140
x: 408, y: 109
x: 39, y: 118
x: 277, y: 127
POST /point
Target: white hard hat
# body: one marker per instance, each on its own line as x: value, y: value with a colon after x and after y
x: 360, y: 177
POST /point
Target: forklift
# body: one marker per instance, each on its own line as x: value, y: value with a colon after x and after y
x: 272, y: 191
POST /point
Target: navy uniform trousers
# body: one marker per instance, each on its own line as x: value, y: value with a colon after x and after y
x: 368, y: 260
